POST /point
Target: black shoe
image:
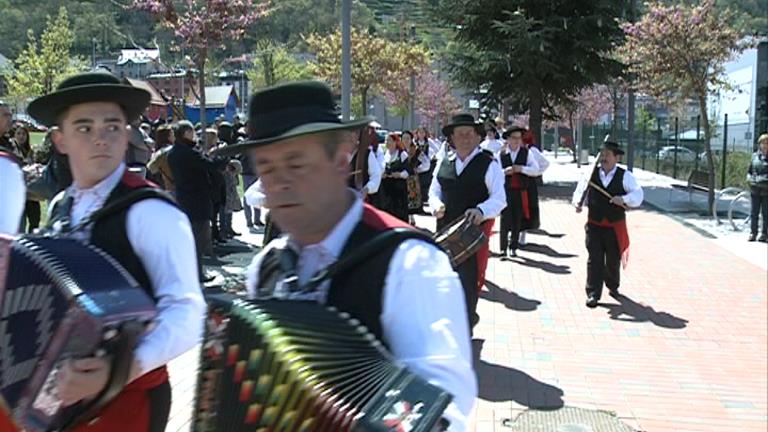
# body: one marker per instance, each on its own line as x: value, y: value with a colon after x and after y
x: 763, y: 238
x: 614, y: 293
x: 591, y: 301
x: 752, y: 237
x: 513, y: 253
x: 233, y: 233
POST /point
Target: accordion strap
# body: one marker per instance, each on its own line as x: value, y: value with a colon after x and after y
x: 368, y: 250
x: 129, y: 199
x: 122, y: 360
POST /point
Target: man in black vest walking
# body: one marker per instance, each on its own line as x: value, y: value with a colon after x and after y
x: 468, y: 183
x: 519, y: 167
x: 608, y: 193
x: 405, y: 292
x: 150, y: 237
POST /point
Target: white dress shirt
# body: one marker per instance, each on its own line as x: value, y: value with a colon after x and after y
x: 375, y: 171
x: 161, y: 238
x: 423, y: 313
x: 13, y: 193
x: 541, y: 160
x: 492, y: 145
x: 424, y: 163
x: 531, y: 167
x: 494, y: 181
x: 389, y: 157
x: 634, y: 193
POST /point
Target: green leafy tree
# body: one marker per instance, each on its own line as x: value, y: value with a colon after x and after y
x: 275, y: 67
x: 41, y: 66
x: 534, y: 55
x: 679, y: 52
x: 377, y: 64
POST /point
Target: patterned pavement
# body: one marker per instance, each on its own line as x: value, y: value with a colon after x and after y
x: 684, y: 350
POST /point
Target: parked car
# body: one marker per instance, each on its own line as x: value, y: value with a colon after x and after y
x: 717, y: 153
x: 684, y: 154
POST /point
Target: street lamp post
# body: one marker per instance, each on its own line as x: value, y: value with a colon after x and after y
x: 346, y: 68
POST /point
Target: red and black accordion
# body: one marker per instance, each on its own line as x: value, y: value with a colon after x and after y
x: 298, y: 366
x: 60, y: 299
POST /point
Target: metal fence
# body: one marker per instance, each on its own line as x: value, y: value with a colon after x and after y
x: 675, y: 148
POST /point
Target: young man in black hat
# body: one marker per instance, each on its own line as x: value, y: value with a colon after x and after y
x: 608, y: 193
x: 520, y: 166
x: 469, y: 182
x: 151, y: 238
x: 406, y: 293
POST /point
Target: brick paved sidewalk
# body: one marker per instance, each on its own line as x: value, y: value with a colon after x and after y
x: 684, y: 351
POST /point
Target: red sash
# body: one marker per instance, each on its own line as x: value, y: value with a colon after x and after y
x: 130, y: 410
x: 483, y: 253
x: 515, y: 183
x: 622, y: 236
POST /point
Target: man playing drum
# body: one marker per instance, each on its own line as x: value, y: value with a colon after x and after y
x: 468, y: 183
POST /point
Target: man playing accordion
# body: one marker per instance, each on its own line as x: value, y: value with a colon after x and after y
x: 148, y: 235
x: 406, y: 293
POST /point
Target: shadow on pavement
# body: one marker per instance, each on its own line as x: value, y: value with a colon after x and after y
x: 498, y: 383
x: 629, y: 310
x: 509, y: 299
x: 543, y: 265
x: 545, y: 233
x: 545, y: 250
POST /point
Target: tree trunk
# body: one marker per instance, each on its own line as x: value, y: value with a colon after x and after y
x: 535, y: 115
x: 573, y: 136
x: 364, y: 101
x: 708, y: 149
x: 201, y: 84
x: 616, y: 100
x: 267, y: 62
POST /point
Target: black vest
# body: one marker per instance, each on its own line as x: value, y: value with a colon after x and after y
x: 109, y: 233
x: 600, y: 207
x: 360, y: 290
x: 520, y: 159
x: 464, y: 191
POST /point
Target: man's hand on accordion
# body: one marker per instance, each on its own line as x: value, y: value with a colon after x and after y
x: 82, y: 378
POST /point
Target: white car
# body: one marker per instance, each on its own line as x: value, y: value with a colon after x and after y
x: 684, y: 154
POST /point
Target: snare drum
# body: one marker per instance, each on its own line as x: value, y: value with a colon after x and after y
x: 461, y: 239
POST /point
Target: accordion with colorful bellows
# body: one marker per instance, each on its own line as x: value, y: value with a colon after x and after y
x: 299, y: 366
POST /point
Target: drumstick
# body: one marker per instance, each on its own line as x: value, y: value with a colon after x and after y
x: 605, y: 192
x: 355, y: 172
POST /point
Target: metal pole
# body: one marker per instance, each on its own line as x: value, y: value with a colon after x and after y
x: 645, y: 144
x: 677, y: 144
x: 658, y: 142
x: 93, y: 53
x: 698, y: 143
x: 725, y: 149
x: 412, y: 88
x: 630, y: 130
x: 346, y: 66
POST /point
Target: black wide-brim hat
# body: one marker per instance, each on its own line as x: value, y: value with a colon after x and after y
x: 511, y: 130
x: 89, y: 87
x: 463, y: 120
x: 614, y: 147
x: 291, y: 110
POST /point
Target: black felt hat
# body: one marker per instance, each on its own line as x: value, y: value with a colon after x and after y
x: 290, y: 110
x: 613, y: 146
x: 89, y: 87
x: 463, y: 120
x: 512, y: 129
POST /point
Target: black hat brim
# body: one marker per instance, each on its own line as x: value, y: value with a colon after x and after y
x: 614, y: 147
x: 448, y: 129
x: 305, y: 129
x: 46, y: 109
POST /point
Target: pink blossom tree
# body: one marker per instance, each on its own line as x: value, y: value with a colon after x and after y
x: 203, y: 25
x: 433, y: 99
x: 679, y: 52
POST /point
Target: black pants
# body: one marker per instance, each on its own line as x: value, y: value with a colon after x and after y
x: 604, y: 259
x: 759, y: 204
x: 468, y: 275
x: 511, y: 221
x: 201, y: 230
x: 31, y: 218
x: 159, y: 407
